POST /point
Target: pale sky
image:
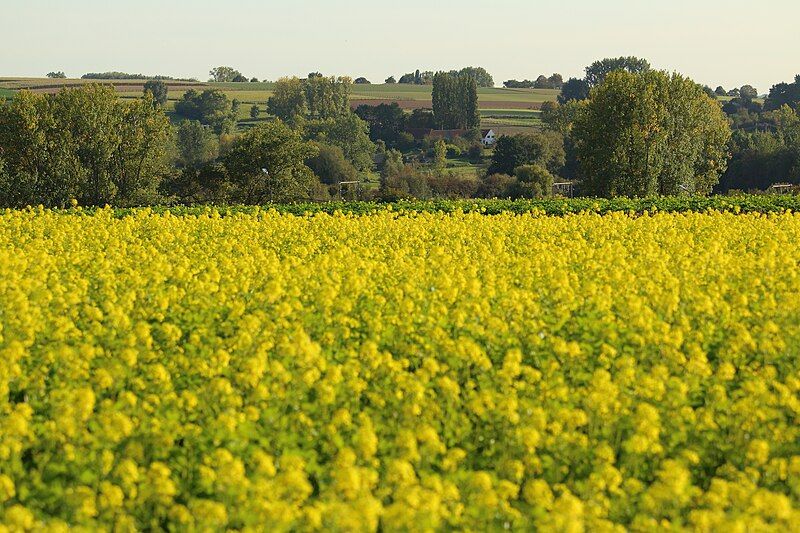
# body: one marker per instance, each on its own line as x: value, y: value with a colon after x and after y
x: 727, y: 43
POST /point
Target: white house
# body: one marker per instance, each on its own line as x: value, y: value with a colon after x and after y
x: 488, y: 137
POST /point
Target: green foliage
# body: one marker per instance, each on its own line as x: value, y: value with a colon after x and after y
x: 555, y: 81
x: 267, y: 163
x: 330, y: 165
x: 650, y: 133
x: 560, y: 117
x: 115, y: 75
x: 533, y: 181
x: 545, y: 148
x: 392, y: 164
x: 56, y: 75
x: 211, y: 107
x: 85, y: 144
x: 158, y: 90
x: 288, y: 101
x: 387, y: 122
x: 407, y: 183
x: 763, y: 158
x: 784, y: 94
x: 479, y: 74
x: 225, y: 74
x: 439, y: 154
x: 452, y: 186
x: 596, y: 72
x: 574, y: 89
x: 455, y: 101
x: 196, y: 144
x: 327, y: 97
x: 744, y: 203
x: 496, y: 186
x: 349, y: 133
x: 748, y: 92
x: 254, y: 111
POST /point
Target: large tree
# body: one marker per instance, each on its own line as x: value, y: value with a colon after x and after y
x: 158, y: 90
x: 267, y: 163
x: 288, y: 101
x: 573, y: 89
x: 349, y: 133
x: 327, y: 97
x: 225, y: 74
x: 481, y: 76
x: 386, y: 122
x: 211, y: 107
x: 597, y: 71
x: 542, y: 148
x: 455, y: 101
x: 650, y: 133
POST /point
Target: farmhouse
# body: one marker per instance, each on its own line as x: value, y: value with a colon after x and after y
x: 488, y: 137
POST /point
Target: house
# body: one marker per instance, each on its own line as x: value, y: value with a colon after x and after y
x: 488, y: 137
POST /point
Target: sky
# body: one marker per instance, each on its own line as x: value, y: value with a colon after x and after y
x: 729, y: 43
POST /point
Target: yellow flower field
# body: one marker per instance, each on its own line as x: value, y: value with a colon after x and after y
x: 269, y: 372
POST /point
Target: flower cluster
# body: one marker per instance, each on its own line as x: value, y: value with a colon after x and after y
x: 402, y: 372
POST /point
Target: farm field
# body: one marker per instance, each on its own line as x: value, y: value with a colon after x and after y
x: 402, y: 368
x: 507, y: 111
x: 407, y: 96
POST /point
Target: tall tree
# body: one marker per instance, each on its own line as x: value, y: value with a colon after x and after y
x: 328, y: 97
x: 650, y: 133
x: 288, y: 101
x: 455, y: 101
x: 158, y: 90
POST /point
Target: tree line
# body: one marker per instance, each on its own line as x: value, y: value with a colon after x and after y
x: 637, y: 131
x: 479, y: 74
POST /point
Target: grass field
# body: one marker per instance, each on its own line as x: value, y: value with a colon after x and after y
x: 252, y: 370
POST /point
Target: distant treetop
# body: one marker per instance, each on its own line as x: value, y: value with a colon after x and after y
x: 479, y: 74
x: 597, y: 71
x: 56, y: 75
x: 225, y: 74
x: 114, y: 75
